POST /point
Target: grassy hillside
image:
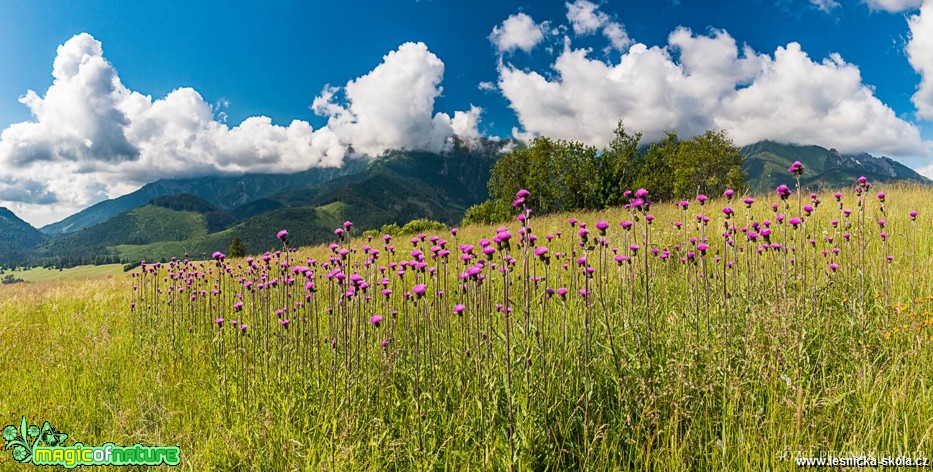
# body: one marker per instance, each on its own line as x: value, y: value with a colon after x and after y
x: 397, y: 188
x: 41, y: 274
x: 17, y: 238
x: 226, y: 192
x: 656, y: 368
x: 766, y: 165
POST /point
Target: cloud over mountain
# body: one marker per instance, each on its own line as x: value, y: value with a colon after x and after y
x: 705, y: 81
x: 93, y: 138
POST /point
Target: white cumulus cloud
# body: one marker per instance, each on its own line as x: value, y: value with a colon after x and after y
x: 585, y: 18
x: 710, y: 83
x: 920, y: 54
x: 518, y: 31
x: 392, y: 107
x: 92, y: 138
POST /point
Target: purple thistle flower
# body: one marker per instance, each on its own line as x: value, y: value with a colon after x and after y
x: 783, y: 191
x: 881, y: 196
x: 347, y: 225
x: 700, y: 198
x: 748, y: 202
x: 796, y: 168
x: 458, y: 309
x: 562, y: 292
x: 794, y: 221
x: 541, y: 251
x: 523, y: 194
x: 728, y: 193
x: 684, y: 204
x: 375, y: 320
x: 220, y: 322
x: 913, y: 214
x: 602, y: 225
x: 727, y: 211
x: 282, y: 235
x: 419, y: 290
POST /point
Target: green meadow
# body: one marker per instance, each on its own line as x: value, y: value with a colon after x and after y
x: 685, y: 358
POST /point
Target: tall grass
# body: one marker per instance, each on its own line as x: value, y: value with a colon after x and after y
x: 732, y: 340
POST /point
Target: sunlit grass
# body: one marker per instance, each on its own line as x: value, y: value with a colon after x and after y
x: 42, y: 274
x: 788, y: 363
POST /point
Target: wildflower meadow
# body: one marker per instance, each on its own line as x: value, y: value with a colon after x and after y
x: 721, y: 332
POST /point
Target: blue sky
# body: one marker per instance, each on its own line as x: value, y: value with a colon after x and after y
x: 414, y: 73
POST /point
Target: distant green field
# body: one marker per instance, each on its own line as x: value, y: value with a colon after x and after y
x: 41, y: 274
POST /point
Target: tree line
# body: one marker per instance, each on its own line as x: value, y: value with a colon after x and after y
x: 568, y: 175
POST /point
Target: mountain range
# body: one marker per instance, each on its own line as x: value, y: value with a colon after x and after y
x: 200, y: 215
